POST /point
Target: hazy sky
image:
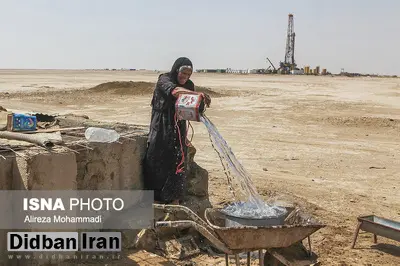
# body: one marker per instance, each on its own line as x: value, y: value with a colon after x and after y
x: 357, y: 35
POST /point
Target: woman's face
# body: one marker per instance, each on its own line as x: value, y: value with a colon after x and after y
x: 184, y: 75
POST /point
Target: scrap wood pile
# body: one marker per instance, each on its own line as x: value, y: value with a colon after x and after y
x: 18, y: 130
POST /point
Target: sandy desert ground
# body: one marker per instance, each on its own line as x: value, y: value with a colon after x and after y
x: 329, y: 144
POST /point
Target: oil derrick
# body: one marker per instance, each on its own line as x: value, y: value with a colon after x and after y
x: 289, y: 63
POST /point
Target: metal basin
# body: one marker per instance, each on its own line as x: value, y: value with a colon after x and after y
x: 237, y: 221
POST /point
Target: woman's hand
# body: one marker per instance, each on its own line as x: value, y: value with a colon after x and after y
x: 207, y: 98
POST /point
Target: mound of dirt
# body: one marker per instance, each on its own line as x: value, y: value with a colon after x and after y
x: 376, y: 122
x: 208, y: 91
x: 125, y: 87
x: 138, y: 88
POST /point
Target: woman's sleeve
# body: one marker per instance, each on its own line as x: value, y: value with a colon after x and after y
x: 165, y: 86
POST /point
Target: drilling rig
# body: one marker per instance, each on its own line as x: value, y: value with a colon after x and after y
x: 289, y: 63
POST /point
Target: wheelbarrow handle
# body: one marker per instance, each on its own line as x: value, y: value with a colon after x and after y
x: 201, y: 229
x: 178, y: 208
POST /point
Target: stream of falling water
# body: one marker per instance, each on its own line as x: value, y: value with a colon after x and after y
x: 250, y: 203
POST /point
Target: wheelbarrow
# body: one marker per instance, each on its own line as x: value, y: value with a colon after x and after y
x: 282, y: 242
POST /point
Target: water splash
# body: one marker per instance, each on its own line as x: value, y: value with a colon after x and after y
x: 250, y: 203
x: 252, y: 211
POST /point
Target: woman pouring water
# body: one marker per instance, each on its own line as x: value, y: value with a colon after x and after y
x: 164, y: 170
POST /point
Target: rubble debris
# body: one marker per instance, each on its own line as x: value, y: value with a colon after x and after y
x: 376, y: 167
x: 181, y: 248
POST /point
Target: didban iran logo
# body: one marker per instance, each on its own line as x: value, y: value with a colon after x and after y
x: 63, y: 241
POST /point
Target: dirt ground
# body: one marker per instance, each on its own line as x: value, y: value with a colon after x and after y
x: 329, y: 144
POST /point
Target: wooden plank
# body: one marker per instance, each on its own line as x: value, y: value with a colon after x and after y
x: 51, y: 130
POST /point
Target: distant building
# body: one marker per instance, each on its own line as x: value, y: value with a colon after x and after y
x: 297, y: 72
x: 216, y: 70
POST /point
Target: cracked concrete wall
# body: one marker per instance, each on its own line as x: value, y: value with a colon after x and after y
x: 45, y: 171
x: 109, y: 166
x: 102, y: 167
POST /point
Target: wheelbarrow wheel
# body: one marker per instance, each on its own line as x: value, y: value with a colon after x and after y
x: 270, y: 260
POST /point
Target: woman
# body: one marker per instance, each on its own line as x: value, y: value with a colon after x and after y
x: 167, y: 137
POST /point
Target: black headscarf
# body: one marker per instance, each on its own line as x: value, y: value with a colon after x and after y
x: 181, y: 61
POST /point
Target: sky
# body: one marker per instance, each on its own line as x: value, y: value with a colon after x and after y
x: 358, y: 35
